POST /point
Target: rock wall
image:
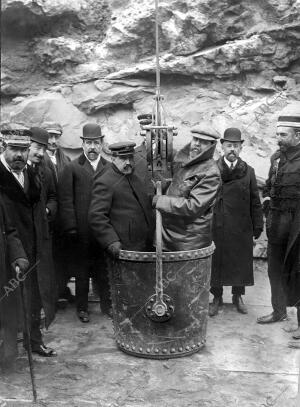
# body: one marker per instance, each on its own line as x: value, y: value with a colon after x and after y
x: 233, y: 62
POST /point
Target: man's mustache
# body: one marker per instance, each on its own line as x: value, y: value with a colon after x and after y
x: 19, y: 159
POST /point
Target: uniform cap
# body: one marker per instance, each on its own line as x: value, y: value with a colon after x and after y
x: 52, y: 127
x: 232, y: 134
x: 205, y: 131
x: 290, y: 116
x: 122, y: 149
x: 91, y: 131
x: 15, y: 134
x: 39, y: 135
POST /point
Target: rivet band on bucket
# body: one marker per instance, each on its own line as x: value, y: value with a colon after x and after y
x: 167, y: 256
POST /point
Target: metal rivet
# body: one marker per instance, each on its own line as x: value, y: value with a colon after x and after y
x: 137, y: 256
x: 187, y: 348
x: 133, y: 347
x: 163, y: 257
x: 193, y: 346
x: 156, y: 350
x: 123, y: 344
x: 172, y: 256
x: 152, y: 300
x: 127, y: 346
x: 189, y: 255
x: 118, y: 341
x: 168, y: 314
x: 140, y: 349
x: 129, y: 255
x: 181, y: 255
x: 148, y: 350
x: 180, y: 349
x: 149, y: 308
x: 172, y: 350
x: 198, y: 344
x: 165, y: 350
x: 145, y: 256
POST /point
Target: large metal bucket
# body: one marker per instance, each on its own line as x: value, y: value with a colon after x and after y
x: 186, y: 282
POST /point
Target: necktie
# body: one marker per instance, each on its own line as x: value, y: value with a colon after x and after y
x: 231, y: 167
x: 19, y: 175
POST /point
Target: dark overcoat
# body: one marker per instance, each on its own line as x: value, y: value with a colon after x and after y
x: 291, y: 275
x: 27, y: 213
x: 283, y: 189
x: 10, y: 249
x: 237, y: 213
x: 74, y: 195
x: 121, y: 211
x: 187, y: 207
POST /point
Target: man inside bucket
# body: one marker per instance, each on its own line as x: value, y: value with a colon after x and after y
x: 187, y: 206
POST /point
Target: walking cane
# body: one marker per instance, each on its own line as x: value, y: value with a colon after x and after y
x: 27, y: 331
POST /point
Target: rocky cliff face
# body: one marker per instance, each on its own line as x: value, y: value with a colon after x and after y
x: 233, y: 62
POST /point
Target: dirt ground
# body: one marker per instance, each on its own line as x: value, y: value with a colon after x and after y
x: 243, y: 364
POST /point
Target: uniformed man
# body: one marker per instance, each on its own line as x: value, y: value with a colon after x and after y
x: 238, y: 217
x: 281, y: 199
x: 21, y: 193
x: 74, y: 192
x: 120, y: 213
x: 187, y: 206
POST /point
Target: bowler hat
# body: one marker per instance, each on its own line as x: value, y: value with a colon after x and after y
x: 91, y: 131
x: 39, y: 135
x: 205, y: 131
x: 52, y: 127
x: 232, y: 134
x: 122, y: 149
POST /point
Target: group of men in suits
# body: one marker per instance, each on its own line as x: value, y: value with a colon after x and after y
x: 63, y: 218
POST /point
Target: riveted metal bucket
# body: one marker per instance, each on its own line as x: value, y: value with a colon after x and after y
x: 186, y: 283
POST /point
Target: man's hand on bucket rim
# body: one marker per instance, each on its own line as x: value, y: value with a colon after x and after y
x: 114, y: 249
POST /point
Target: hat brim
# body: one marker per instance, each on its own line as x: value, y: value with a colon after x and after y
x: 204, y: 136
x: 231, y: 141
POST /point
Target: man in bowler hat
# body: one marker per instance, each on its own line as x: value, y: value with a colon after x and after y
x: 74, y: 191
x: 238, y: 217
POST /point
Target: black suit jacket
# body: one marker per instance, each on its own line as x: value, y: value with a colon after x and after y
x: 74, y: 196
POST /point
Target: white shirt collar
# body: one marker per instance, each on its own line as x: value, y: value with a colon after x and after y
x: 94, y: 163
x: 229, y: 163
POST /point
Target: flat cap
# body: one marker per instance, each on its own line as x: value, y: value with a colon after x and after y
x: 205, y: 131
x: 232, y: 134
x: 290, y: 116
x: 52, y: 127
x: 122, y: 149
x: 39, y: 135
x: 91, y: 131
x: 15, y: 134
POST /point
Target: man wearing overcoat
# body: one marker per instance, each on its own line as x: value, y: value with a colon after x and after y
x: 238, y: 217
x: 281, y: 200
x: 12, y: 254
x: 21, y: 192
x: 55, y: 159
x: 187, y: 206
x: 120, y: 213
x: 74, y: 191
